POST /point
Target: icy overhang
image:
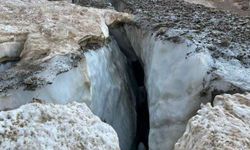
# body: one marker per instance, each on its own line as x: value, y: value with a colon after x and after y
x: 48, y: 37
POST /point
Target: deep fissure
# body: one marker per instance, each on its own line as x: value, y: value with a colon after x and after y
x: 137, y: 77
x: 141, y: 106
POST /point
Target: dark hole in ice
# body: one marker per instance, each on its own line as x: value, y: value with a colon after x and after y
x: 7, y: 65
x: 137, y: 75
x: 10, y: 54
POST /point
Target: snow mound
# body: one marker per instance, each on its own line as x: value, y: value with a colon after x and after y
x: 38, y: 126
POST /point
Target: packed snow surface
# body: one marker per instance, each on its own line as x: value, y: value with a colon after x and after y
x: 39, y: 126
x: 226, y: 125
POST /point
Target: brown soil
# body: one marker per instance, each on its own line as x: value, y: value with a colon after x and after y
x: 236, y: 6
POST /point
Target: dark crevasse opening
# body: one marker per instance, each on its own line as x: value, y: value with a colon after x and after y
x: 7, y: 64
x: 141, y: 107
x: 10, y: 54
x: 138, y: 72
x: 142, y: 112
x: 135, y: 71
x: 137, y: 77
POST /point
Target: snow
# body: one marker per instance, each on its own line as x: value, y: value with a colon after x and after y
x: 47, y: 126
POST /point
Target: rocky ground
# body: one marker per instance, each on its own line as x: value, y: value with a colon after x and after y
x: 205, y: 25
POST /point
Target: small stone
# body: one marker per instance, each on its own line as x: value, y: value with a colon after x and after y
x: 224, y: 43
x: 211, y: 47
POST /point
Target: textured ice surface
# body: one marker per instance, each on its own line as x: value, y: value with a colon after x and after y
x: 222, y: 126
x: 48, y: 126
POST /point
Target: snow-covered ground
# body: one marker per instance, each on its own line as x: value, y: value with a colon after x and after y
x: 39, y: 126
